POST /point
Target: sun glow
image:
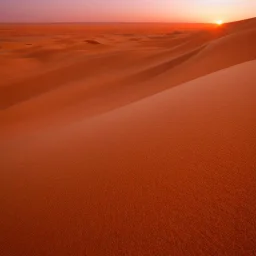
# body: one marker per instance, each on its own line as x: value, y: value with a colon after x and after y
x: 219, y: 22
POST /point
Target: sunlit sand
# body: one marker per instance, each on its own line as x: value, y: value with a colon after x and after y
x: 128, y: 139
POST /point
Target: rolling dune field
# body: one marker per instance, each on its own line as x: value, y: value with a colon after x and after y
x: 128, y: 139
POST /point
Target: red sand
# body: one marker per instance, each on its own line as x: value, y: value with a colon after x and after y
x: 135, y: 147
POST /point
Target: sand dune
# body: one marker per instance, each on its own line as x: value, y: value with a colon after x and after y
x: 176, y: 168
x: 240, y: 25
x: 131, y: 149
x: 94, y: 81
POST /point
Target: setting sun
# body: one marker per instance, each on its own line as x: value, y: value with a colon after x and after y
x: 219, y: 22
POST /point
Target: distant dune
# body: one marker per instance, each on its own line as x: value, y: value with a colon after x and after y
x: 128, y: 139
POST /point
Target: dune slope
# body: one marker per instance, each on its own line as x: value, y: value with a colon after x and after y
x: 173, y: 174
x: 128, y: 139
x: 101, y: 82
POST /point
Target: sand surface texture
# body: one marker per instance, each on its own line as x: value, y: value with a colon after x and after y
x: 128, y: 139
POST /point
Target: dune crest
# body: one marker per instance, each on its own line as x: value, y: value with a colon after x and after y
x: 130, y: 147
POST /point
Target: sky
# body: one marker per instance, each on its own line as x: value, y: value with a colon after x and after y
x: 126, y: 10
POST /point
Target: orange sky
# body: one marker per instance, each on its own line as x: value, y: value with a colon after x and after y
x: 126, y: 10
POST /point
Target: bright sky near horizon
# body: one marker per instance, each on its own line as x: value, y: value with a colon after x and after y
x: 125, y: 10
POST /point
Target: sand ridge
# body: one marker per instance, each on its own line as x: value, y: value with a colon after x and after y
x: 129, y: 140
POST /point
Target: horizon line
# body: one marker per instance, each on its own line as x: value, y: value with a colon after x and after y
x: 114, y: 22
x: 93, y: 22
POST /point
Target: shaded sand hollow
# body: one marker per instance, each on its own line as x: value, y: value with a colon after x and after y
x: 125, y: 139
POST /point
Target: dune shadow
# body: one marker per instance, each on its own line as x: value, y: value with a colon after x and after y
x: 94, y: 42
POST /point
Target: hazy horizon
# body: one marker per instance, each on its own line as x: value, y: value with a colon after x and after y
x: 145, y: 11
x: 113, y: 22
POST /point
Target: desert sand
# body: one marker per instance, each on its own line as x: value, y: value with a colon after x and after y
x: 128, y: 139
